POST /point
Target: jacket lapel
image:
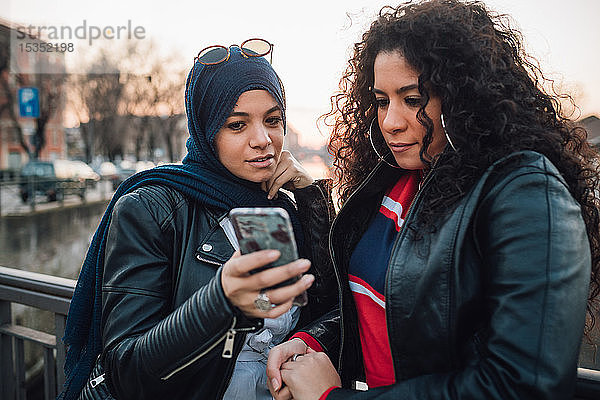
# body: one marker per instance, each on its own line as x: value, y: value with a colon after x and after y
x: 215, y: 246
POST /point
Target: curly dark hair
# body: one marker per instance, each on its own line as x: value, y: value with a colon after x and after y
x: 493, y: 102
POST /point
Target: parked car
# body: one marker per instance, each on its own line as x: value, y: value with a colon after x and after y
x: 107, y: 170
x: 76, y: 171
x: 84, y: 173
x: 39, y: 177
x: 55, y: 179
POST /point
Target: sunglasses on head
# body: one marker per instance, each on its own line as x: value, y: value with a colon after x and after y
x: 217, y: 53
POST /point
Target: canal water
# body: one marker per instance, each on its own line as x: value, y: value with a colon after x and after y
x: 55, y: 242
x: 52, y: 242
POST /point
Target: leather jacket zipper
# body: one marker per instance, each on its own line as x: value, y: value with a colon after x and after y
x: 387, y: 289
x: 200, y: 258
x: 420, y: 186
x: 230, y: 350
x: 335, y: 267
x: 96, y: 381
x: 229, y: 340
x: 326, y: 198
x: 228, y: 336
x: 229, y: 372
x: 202, y: 354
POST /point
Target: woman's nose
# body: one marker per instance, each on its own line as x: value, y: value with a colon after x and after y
x: 260, y: 137
x: 393, y: 121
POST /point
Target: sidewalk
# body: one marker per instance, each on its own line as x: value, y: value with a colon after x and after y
x: 12, y: 206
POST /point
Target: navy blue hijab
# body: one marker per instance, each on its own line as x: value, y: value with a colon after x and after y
x: 210, y: 96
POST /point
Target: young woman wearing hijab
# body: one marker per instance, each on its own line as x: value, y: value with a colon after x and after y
x: 464, y: 257
x: 163, y: 307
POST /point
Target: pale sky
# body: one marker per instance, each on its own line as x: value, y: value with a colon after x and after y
x: 313, y: 38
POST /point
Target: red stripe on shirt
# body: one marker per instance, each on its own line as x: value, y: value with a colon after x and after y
x: 391, y: 215
x: 377, y: 355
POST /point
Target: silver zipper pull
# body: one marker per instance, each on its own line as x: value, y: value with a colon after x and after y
x: 96, y: 381
x: 228, y: 348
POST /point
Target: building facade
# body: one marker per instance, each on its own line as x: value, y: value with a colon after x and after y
x: 15, y: 130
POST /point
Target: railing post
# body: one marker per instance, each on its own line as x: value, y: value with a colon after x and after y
x: 60, y: 322
x: 32, y: 188
x: 49, y: 374
x: 20, y: 368
x: 7, y: 383
x: 60, y: 188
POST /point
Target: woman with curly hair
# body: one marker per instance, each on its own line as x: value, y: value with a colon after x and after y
x: 467, y: 244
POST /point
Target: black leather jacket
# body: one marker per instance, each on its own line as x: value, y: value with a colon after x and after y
x: 489, y: 306
x: 165, y: 317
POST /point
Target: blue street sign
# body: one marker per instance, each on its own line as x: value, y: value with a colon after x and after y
x: 29, y: 102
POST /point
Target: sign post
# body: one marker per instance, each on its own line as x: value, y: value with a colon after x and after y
x: 29, y: 102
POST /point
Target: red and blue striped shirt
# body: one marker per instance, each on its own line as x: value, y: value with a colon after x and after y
x: 366, y: 275
x: 367, y: 272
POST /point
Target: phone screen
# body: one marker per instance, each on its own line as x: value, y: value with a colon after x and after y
x: 264, y: 228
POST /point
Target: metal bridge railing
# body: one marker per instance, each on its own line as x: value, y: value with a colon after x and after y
x: 41, y: 291
x: 52, y: 293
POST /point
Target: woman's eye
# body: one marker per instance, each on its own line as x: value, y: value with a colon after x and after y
x: 274, y: 121
x: 381, y: 102
x: 413, y: 101
x: 235, y: 126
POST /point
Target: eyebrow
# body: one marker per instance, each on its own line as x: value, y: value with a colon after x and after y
x: 399, y: 90
x: 245, y: 114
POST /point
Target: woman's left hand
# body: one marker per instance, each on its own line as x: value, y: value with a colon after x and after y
x: 310, y: 375
x: 289, y: 174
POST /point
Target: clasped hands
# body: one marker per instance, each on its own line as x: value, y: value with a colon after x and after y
x: 305, y: 377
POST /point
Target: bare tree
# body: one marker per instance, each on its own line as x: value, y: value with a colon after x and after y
x: 94, y: 99
x: 8, y: 107
x: 139, y: 99
x: 171, y: 107
x: 156, y: 92
x: 142, y: 97
x: 7, y: 97
x: 169, y: 85
x: 51, y: 89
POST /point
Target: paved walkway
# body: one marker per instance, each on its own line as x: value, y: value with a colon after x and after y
x: 11, y: 204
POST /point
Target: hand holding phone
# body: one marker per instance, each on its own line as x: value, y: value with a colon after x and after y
x: 264, y: 228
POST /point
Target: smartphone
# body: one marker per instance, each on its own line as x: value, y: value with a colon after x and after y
x: 264, y: 228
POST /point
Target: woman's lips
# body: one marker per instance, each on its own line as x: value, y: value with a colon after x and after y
x: 400, y: 147
x: 262, y: 162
